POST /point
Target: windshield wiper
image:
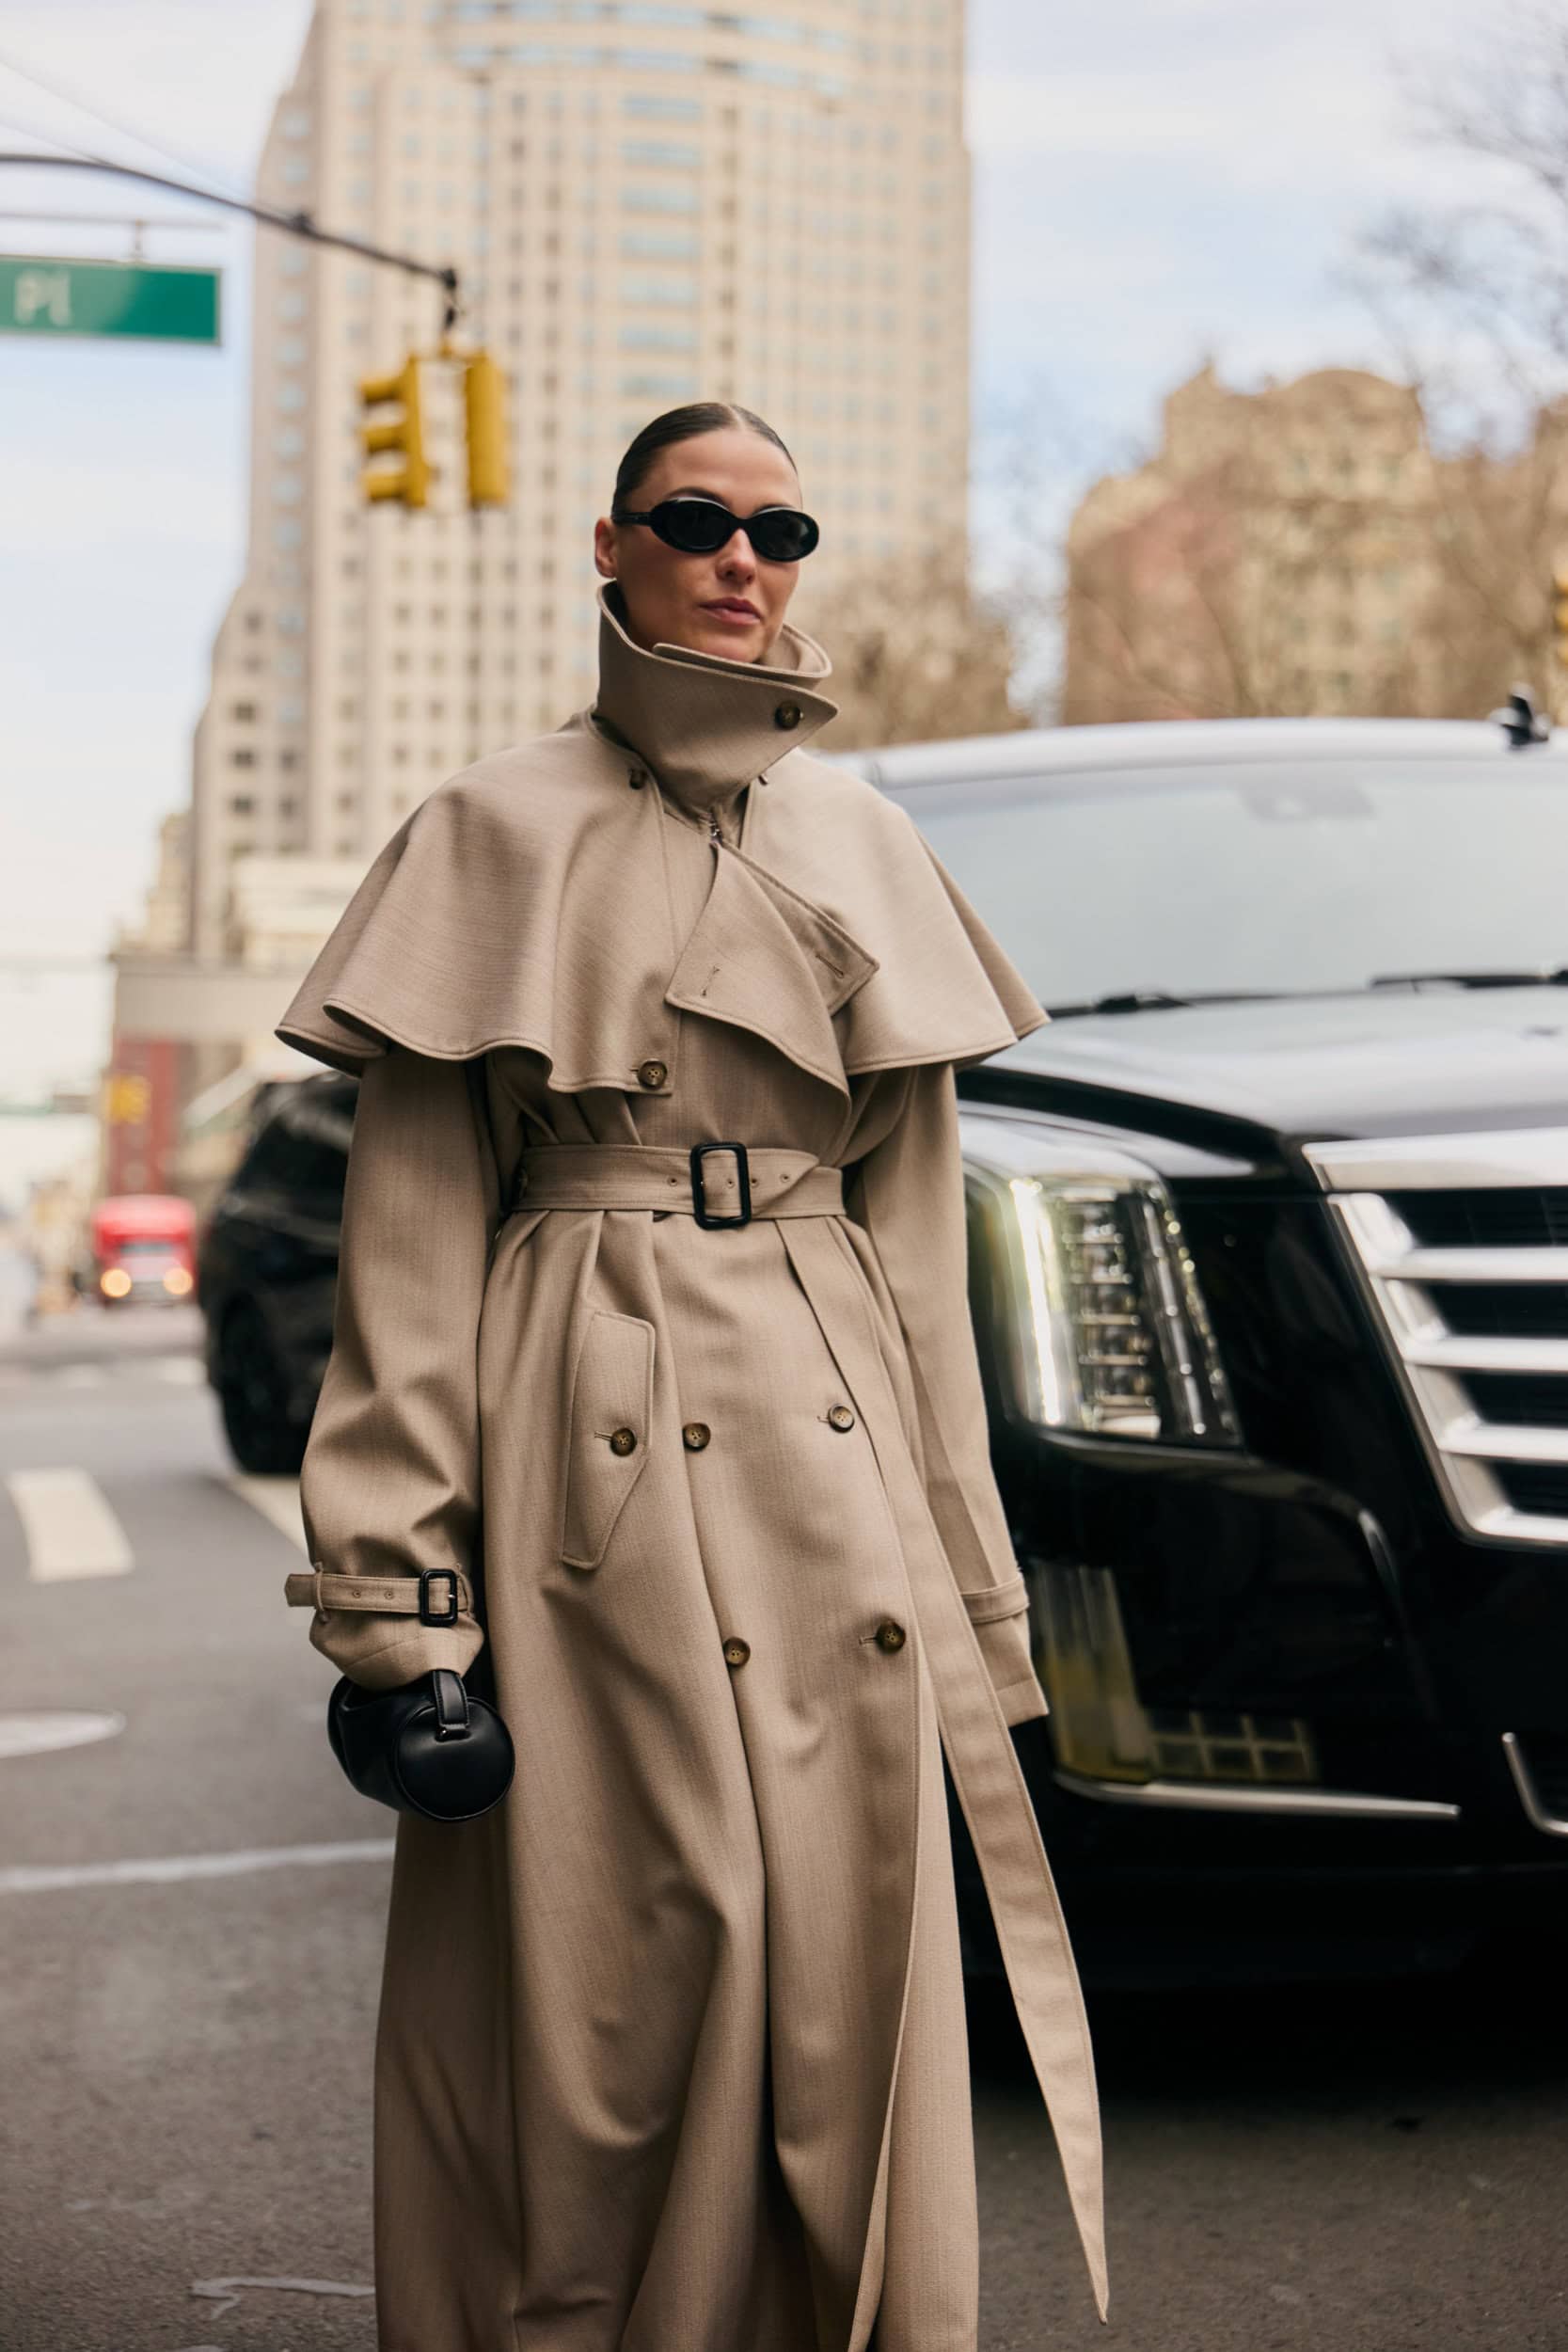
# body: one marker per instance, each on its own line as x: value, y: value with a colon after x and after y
x: 1159, y: 1000
x: 1540, y: 978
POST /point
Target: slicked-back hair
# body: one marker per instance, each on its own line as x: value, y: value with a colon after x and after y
x: 683, y: 424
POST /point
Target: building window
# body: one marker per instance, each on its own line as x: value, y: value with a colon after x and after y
x: 653, y: 106
x: 242, y: 757
x: 242, y: 805
x: 666, y: 388
x: 674, y: 198
x: 671, y: 291
x: 243, y: 712
x: 677, y: 153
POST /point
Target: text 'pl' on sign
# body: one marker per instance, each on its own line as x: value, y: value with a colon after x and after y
x: 42, y: 296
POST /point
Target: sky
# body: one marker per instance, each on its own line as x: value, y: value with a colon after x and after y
x: 1156, y: 183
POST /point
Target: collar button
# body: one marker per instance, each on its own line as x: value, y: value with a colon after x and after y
x: 787, y: 715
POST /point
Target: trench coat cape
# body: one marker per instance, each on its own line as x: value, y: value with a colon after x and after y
x: 670, y: 2054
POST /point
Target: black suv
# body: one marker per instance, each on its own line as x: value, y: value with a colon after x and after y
x: 1270, y: 1275
x: 1269, y: 1271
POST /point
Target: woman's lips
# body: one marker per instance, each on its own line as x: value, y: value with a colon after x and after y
x: 734, y: 610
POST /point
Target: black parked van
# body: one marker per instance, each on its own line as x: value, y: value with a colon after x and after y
x: 1269, y: 1268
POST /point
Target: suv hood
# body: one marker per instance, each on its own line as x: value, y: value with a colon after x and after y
x: 1384, y: 1063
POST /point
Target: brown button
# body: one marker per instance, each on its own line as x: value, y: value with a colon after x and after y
x: 890, y: 1635
x: 623, y: 1441
x: 841, y: 1417
x: 696, y: 1434
x: 787, y: 716
x: 652, y: 1074
x: 636, y: 779
x: 737, y: 1652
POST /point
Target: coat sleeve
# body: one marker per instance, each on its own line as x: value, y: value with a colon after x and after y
x: 391, y: 1481
x: 908, y: 1193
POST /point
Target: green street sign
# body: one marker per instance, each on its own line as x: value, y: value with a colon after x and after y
x: 41, y: 296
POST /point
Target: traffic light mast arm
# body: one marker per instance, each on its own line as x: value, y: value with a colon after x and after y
x: 291, y: 224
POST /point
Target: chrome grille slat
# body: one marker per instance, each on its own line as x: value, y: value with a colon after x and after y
x: 1473, y: 1265
x: 1410, y: 1283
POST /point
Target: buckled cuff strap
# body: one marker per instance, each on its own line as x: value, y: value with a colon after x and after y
x: 994, y: 1601
x: 435, y: 1595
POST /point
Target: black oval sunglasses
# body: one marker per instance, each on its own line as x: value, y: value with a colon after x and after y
x: 781, y: 535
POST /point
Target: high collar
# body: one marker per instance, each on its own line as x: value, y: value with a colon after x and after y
x: 705, y: 725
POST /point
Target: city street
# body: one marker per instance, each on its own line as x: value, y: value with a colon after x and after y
x: 190, y: 1910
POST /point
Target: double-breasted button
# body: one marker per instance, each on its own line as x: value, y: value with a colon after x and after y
x: 891, y: 1635
x: 841, y: 1417
x: 623, y: 1441
x: 696, y: 1434
x: 637, y: 778
x: 652, y: 1074
x: 737, y: 1652
x: 787, y: 715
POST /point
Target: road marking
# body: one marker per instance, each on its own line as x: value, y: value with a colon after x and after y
x: 226, y: 2291
x: 52, y: 1878
x: 180, y: 1371
x: 277, y: 1499
x: 70, y: 1528
x: 40, y: 1735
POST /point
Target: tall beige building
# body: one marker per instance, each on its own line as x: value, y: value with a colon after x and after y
x: 648, y: 202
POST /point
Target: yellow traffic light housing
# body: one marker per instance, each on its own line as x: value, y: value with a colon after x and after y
x: 409, y: 482
x: 484, y: 409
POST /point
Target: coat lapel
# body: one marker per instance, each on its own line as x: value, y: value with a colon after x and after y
x: 767, y: 959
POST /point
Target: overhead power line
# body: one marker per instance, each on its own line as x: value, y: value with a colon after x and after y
x: 95, y: 114
x: 291, y: 223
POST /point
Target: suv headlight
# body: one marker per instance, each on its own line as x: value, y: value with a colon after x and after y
x: 1106, y: 1332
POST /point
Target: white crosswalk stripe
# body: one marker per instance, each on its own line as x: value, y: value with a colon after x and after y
x: 70, y: 1528
x: 277, y: 1499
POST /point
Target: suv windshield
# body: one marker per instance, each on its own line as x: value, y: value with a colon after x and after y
x: 1284, y: 877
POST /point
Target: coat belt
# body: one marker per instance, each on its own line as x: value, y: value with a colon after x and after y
x: 649, y: 1176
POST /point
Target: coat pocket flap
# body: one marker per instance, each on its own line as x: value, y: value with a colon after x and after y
x: 608, y: 1424
x: 992, y: 1601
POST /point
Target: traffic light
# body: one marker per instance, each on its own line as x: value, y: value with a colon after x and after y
x: 411, y: 481
x: 484, y: 409
x: 1560, y: 617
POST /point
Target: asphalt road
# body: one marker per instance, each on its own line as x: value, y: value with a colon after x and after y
x: 185, y: 2050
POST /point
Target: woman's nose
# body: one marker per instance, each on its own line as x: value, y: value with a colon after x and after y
x: 738, y: 556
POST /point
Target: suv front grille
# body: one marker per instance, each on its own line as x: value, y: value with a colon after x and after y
x: 1460, y: 1245
x: 1526, y: 1219
x: 1496, y: 1310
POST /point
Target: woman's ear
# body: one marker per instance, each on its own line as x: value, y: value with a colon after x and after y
x: 603, y: 548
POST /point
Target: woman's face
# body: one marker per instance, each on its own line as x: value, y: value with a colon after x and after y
x: 730, y: 603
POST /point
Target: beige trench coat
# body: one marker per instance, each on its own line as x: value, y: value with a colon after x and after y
x: 671, y: 2051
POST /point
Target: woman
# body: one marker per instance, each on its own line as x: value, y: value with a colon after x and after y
x: 671, y: 2052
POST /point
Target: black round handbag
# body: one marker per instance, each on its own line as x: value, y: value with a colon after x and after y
x: 431, y: 1746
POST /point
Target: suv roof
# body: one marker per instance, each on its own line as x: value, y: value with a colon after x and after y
x: 1182, y: 742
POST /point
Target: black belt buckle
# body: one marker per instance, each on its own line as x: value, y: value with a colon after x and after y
x: 699, y: 1195
x: 427, y: 1614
